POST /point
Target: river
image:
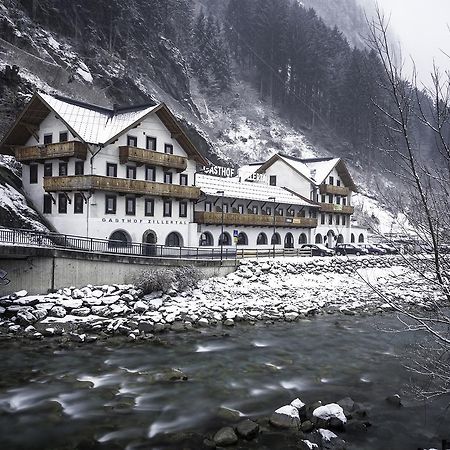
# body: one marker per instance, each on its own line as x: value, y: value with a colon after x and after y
x: 53, y: 397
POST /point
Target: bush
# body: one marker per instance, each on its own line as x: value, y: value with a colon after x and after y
x: 162, y: 279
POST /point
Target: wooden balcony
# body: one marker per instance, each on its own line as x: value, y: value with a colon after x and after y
x: 119, y: 185
x: 332, y: 208
x: 253, y: 220
x: 59, y: 150
x: 143, y: 156
x: 336, y: 190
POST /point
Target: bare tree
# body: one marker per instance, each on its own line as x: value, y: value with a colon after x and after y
x: 407, y: 110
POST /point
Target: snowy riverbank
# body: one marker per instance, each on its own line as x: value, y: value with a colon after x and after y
x: 272, y: 290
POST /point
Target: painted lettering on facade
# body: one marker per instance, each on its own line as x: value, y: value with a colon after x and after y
x: 144, y: 221
x: 219, y: 171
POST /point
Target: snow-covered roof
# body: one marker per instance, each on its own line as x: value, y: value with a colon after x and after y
x: 322, y: 168
x: 95, y: 125
x: 233, y: 188
x: 248, y: 169
x: 298, y: 165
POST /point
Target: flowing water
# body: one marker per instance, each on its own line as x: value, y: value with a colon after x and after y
x: 61, y: 398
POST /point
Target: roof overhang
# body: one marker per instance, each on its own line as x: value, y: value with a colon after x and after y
x: 343, y: 172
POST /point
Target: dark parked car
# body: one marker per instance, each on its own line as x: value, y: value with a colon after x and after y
x: 350, y: 249
x: 318, y: 249
x: 374, y: 249
x: 389, y: 249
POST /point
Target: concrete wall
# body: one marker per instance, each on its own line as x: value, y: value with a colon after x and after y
x: 49, y: 270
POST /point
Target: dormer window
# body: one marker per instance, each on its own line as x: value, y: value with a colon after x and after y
x: 63, y: 136
x: 48, y: 138
x: 132, y: 141
x: 151, y: 143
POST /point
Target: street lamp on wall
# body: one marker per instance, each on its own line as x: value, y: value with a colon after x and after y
x: 274, y: 226
x: 222, y: 193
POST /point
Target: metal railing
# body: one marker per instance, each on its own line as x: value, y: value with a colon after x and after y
x: 38, y: 239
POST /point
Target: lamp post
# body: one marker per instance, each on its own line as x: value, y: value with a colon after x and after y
x: 274, y: 226
x: 221, y: 230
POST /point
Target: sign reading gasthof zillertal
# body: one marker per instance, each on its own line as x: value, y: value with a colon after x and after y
x: 219, y: 171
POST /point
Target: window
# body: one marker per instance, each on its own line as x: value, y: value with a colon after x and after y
x: 168, y: 177
x: 225, y: 239
x: 255, y: 209
x: 150, y: 173
x: 47, y: 204
x: 33, y: 173
x: 338, y: 199
x: 206, y: 239
x: 241, y: 209
x: 167, y: 208
x: 63, y: 136
x: 62, y: 203
x: 313, y: 213
x: 110, y: 204
x: 168, y: 148
x: 323, y: 198
x: 331, y: 181
x: 338, y: 182
x: 183, y: 209
x: 174, y: 240
x: 130, y: 206
x: 330, y: 219
x: 291, y: 212
x: 344, y: 220
x: 338, y: 219
x: 242, y: 239
x: 78, y: 203
x: 183, y: 179
x: 149, y: 207
x: 280, y: 212
x: 111, y: 170
x: 79, y: 167
x: 132, y: 141
x: 225, y: 208
x: 208, y: 206
x: 48, y: 169
x: 63, y: 169
x: 261, y: 239
x: 48, y: 138
x: 131, y: 172
x: 273, y: 180
x: 118, y: 239
x: 151, y: 143
x: 269, y: 211
x: 322, y: 219
x: 344, y: 201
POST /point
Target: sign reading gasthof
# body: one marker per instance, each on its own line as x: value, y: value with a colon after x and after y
x: 219, y: 171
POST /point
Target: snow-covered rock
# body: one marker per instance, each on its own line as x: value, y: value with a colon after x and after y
x: 330, y: 411
x: 285, y: 417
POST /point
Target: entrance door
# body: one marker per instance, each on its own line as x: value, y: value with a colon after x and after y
x: 149, y: 243
x: 289, y: 241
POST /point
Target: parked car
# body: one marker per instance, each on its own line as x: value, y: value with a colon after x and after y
x: 390, y: 250
x: 350, y: 249
x: 374, y: 249
x: 318, y: 249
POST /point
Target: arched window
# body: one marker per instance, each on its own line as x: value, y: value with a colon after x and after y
x: 262, y: 239
x: 225, y: 239
x: 303, y: 239
x: 289, y: 241
x: 119, y: 239
x: 340, y: 239
x: 149, y: 240
x: 174, y: 240
x: 276, y: 239
x: 206, y: 239
x: 319, y: 239
x: 361, y: 238
x: 242, y: 239
x: 352, y: 238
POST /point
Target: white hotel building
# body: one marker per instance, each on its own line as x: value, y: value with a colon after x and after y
x: 132, y: 175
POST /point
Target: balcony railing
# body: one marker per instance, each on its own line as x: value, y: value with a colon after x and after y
x: 143, y: 156
x: 332, y: 208
x: 120, y: 185
x: 59, y: 150
x: 215, y: 218
x: 336, y: 190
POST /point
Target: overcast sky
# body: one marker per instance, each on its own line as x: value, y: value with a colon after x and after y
x: 422, y: 27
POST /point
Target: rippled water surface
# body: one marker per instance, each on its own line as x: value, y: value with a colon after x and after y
x: 56, y: 398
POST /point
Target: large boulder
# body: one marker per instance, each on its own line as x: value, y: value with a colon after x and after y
x: 330, y: 412
x: 285, y: 417
x: 225, y: 437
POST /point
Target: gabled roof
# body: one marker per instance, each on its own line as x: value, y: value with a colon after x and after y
x: 296, y: 164
x: 323, y: 168
x: 233, y: 188
x: 90, y: 123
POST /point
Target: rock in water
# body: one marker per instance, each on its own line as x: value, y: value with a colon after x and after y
x: 225, y: 437
x: 285, y: 417
x: 330, y: 411
x: 247, y: 429
x: 394, y: 400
